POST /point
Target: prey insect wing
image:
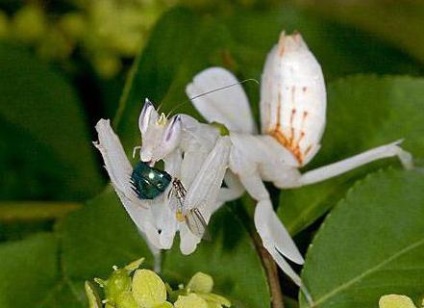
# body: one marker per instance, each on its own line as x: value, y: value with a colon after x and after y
x: 178, y: 191
x: 194, y: 219
x: 197, y: 224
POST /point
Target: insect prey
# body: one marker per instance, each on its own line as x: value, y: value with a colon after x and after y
x: 149, y: 183
x: 194, y: 219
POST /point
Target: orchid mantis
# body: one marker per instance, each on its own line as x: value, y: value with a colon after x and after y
x: 158, y: 218
x: 163, y: 138
x: 293, y: 106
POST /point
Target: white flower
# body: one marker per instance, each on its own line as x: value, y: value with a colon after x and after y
x: 293, y: 106
x: 159, y: 218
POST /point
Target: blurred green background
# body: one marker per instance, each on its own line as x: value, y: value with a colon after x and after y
x: 66, y: 64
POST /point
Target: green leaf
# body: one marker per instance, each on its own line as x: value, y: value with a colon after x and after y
x: 398, y: 23
x: 45, y: 140
x: 341, y: 50
x: 363, y: 112
x: 372, y: 243
x: 99, y: 236
x: 28, y: 268
x: 91, y: 241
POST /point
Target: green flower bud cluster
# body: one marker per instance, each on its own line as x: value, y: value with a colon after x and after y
x: 131, y: 287
x: 104, y: 32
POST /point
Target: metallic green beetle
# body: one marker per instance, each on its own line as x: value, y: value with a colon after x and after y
x: 149, y: 182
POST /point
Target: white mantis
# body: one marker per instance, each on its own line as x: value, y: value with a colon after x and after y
x: 293, y: 106
x: 160, y: 218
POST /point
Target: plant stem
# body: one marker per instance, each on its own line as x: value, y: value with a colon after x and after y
x: 272, y: 273
x: 35, y: 211
x: 246, y: 213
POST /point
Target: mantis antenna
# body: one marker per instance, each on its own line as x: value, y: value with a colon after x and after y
x: 210, y: 92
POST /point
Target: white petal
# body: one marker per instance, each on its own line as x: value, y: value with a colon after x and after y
x: 227, y: 105
x: 293, y: 98
x: 273, y: 234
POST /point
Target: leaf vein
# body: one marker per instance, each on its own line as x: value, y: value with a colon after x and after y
x: 349, y: 283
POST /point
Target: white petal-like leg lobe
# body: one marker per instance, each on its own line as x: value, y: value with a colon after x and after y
x: 293, y: 98
x: 273, y: 233
x: 189, y: 241
x: 254, y: 186
x: 227, y: 104
x: 114, y: 157
x: 326, y: 172
x: 152, y: 235
x: 164, y: 218
x: 245, y: 154
x: 119, y: 170
x: 118, y: 167
x: 234, y: 189
x: 255, y: 159
x: 262, y: 219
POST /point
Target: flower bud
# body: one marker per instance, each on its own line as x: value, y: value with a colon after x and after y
x: 148, y: 289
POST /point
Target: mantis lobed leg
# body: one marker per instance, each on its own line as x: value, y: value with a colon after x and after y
x: 335, y: 169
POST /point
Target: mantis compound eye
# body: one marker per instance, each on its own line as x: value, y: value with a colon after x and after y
x: 145, y: 116
x: 172, y: 135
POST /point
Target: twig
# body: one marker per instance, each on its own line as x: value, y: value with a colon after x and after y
x: 35, y: 211
x: 272, y: 273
